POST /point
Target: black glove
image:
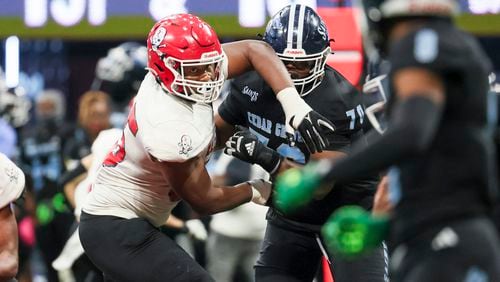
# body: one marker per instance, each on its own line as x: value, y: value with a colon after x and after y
x: 314, y: 129
x: 246, y: 147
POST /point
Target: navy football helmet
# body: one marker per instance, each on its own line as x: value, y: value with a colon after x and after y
x: 121, y: 72
x: 298, y: 34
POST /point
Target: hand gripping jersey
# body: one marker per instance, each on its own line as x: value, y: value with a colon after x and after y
x: 160, y: 128
x: 252, y: 104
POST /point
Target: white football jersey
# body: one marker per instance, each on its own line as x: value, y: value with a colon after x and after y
x: 100, y: 148
x: 161, y: 126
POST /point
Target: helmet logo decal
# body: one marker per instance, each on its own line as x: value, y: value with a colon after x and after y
x: 185, y: 145
x: 209, y: 55
x: 158, y: 37
x: 322, y: 30
x: 294, y: 52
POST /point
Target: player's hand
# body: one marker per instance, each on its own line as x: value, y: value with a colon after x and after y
x: 196, y: 229
x: 352, y: 231
x: 296, y: 187
x: 382, y: 204
x: 261, y: 191
x: 312, y: 126
x: 246, y: 147
x: 314, y: 129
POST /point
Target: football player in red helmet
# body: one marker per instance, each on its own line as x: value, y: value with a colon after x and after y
x: 161, y: 155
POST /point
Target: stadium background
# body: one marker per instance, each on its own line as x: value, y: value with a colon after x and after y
x: 56, y: 43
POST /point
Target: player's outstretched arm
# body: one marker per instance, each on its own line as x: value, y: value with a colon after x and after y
x: 257, y: 55
x: 414, y: 121
x: 223, y: 130
x: 192, y: 183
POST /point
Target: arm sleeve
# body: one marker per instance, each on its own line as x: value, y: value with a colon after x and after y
x: 412, y: 129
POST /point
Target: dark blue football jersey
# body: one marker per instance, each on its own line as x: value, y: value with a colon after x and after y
x: 251, y: 103
x: 456, y: 175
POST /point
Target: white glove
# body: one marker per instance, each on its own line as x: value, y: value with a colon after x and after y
x: 196, y: 229
x: 261, y: 190
x: 313, y: 127
x: 295, y: 108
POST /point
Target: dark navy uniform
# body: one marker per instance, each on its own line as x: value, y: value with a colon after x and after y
x: 251, y: 103
x: 444, y: 195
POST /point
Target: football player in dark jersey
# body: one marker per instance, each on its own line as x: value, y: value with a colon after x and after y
x: 292, y: 248
x: 438, y: 145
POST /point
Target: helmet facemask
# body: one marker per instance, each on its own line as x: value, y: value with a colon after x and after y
x: 194, y: 90
x: 375, y: 99
x: 316, y: 68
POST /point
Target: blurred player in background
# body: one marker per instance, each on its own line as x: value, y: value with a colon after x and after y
x: 161, y: 156
x: 438, y: 145
x: 120, y: 74
x: 292, y: 248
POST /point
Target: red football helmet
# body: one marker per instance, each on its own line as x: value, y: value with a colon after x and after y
x: 184, y: 40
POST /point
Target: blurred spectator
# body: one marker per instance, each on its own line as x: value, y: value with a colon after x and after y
x: 41, y: 145
x: 93, y: 116
x: 235, y: 235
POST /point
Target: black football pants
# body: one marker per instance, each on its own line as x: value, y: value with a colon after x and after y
x: 134, y: 250
x: 464, y: 250
x: 291, y: 255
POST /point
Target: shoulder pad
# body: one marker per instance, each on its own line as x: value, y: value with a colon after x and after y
x: 176, y: 141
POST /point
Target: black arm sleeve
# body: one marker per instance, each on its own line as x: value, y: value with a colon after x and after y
x: 413, y: 126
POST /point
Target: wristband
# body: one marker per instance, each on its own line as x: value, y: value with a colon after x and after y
x: 293, y: 105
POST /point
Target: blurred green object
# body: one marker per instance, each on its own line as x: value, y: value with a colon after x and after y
x: 295, y: 187
x: 352, y: 231
x: 47, y: 208
x: 59, y: 203
x: 44, y: 213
